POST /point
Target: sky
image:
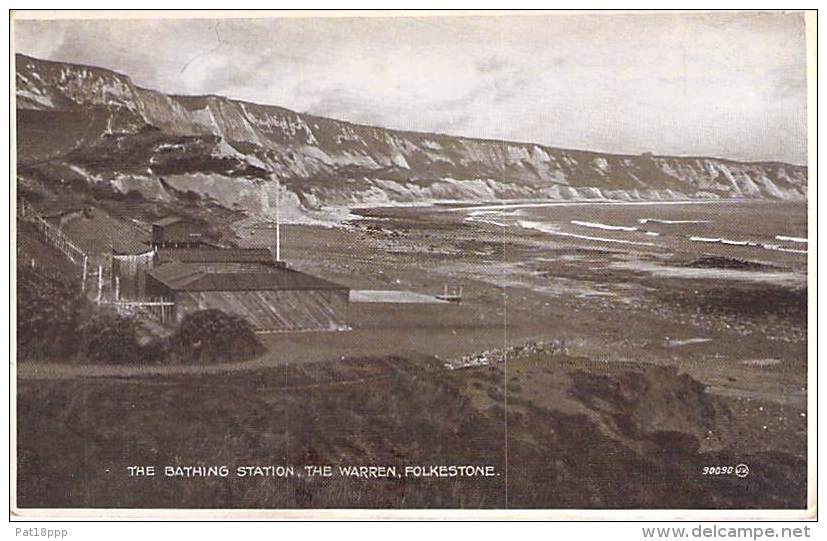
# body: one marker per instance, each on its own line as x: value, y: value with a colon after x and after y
x: 716, y: 84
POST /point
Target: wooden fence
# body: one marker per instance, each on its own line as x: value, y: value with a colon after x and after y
x: 162, y: 310
x: 53, y: 235
x: 106, y: 287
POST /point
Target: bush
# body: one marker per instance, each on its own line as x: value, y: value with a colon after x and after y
x: 111, y: 339
x: 47, y: 314
x: 210, y: 336
x: 54, y: 323
x: 156, y: 350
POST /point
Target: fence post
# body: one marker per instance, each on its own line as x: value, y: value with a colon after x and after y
x: 83, y: 280
x: 100, y: 282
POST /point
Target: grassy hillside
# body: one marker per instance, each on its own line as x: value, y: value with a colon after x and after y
x: 582, y: 435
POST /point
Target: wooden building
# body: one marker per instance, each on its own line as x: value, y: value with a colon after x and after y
x: 113, y: 254
x: 58, y: 212
x: 176, y: 232
x: 278, y: 299
x: 129, y: 268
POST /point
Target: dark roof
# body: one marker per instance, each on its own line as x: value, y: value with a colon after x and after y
x: 182, y: 277
x: 174, y: 275
x: 96, y: 232
x: 215, y: 255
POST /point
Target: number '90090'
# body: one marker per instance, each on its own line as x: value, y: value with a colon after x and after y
x: 741, y: 470
x: 718, y: 470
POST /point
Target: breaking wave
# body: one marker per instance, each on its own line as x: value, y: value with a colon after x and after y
x: 598, y: 225
x: 749, y: 243
x: 551, y: 230
x: 487, y: 221
x: 670, y: 222
x: 791, y: 239
x: 777, y: 248
x: 726, y: 241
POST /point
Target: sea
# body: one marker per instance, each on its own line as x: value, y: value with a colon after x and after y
x: 763, y: 230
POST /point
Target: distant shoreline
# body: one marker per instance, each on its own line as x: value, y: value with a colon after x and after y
x: 504, y: 204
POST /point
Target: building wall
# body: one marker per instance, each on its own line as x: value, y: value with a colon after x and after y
x: 268, y: 310
x: 178, y: 235
x: 130, y: 270
x: 153, y: 289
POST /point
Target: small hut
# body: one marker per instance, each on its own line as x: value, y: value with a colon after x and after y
x: 177, y: 232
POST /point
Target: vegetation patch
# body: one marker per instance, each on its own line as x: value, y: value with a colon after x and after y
x: 55, y: 322
x: 210, y: 336
x: 111, y: 339
x: 48, y: 310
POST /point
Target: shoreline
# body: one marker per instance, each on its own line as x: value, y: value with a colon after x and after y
x: 458, y: 205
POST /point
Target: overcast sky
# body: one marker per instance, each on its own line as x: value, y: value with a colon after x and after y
x: 727, y: 85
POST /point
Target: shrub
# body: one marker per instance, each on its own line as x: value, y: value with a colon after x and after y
x: 209, y: 336
x: 111, y: 339
x: 156, y: 350
x: 47, y: 314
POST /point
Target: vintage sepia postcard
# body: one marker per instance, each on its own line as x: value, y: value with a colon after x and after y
x: 413, y: 264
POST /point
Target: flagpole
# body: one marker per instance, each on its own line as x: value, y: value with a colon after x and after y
x: 278, y: 220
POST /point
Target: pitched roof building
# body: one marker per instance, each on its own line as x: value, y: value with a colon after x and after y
x: 177, y: 232
x: 278, y: 299
x: 96, y: 232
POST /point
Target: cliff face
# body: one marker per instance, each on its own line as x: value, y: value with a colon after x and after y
x: 104, y: 127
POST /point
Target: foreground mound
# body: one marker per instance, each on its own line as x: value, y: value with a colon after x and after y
x: 576, y: 434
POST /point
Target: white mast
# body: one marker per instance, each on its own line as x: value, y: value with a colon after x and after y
x: 278, y: 219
